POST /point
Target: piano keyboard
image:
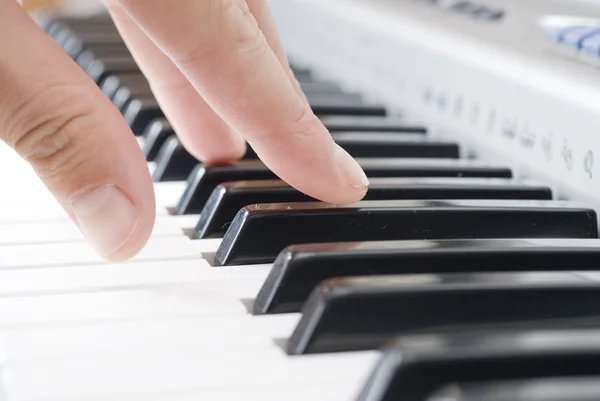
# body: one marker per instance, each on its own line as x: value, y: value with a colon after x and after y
x: 455, y: 279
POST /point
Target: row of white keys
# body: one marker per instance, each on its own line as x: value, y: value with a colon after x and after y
x: 75, y: 327
x: 158, y: 329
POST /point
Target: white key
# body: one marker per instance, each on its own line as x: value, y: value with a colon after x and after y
x: 25, y: 206
x: 46, y: 232
x: 96, y: 278
x: 144, y: 303
x: 80, y: 253
x: 151, y: 374
x: 131, y: 338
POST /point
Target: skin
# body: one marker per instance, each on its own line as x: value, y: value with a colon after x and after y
x: 218, y: 70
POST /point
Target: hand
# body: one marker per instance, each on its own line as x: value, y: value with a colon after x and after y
x: 218, y: 70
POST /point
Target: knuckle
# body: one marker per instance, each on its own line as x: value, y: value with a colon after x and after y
x: 49, y: 137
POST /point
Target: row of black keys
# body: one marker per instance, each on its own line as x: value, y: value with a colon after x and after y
x: 357, y: 295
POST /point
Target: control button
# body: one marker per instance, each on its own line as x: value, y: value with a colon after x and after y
x: 576, y: 37
x: 591, y: 44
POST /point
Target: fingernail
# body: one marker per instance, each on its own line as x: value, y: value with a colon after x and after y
x: 351, y: 169
x: 106, y: 217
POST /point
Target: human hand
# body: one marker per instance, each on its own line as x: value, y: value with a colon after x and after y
x: 219, y: 72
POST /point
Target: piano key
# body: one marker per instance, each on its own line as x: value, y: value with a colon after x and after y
x: 350, y: 108
x: 156, y: 134
x: 470, y: 357
x: 121, y: 98
x: 160, y: 375
x: 259, y: 232
x: 37, y: 204
x: 64, y: 230
x: 321, y: 87
x: 140, y: 111
x: 173, y: 162
x: 99, y: 69
x: 395, y: 145
x: 129, y: 337
x: 366, y: 123
x: 362, y: 313
x: 298, y: 269
x: 203, y: 180
x: 79, y: 253
x: 112, y: 83
x: 228, y: 198
x: 125, y: 275
x: 152, y: 302
x: 555, y: 389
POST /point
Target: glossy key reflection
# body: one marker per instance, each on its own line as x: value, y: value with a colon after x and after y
x: 414, y: 367
x: 300, y: 268
x: 578, y: 388
x: 203, y: 180
x: 228, y: 198
x: 173, y: 161
x: 354, y: 314
x: 259, y: 232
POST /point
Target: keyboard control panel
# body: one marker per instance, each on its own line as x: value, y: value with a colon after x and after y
x: 524, y: 89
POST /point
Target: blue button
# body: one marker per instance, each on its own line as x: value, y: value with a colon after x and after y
x: 576, y: 37
x: 559, y: 34
x: 591, y: 44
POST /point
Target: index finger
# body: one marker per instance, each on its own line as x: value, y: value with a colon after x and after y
x: 222, y: 51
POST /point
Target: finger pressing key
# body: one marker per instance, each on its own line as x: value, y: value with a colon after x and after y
x: 221, y: 49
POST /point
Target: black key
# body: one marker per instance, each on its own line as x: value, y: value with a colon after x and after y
x: 413, y: 367
x: 108, y: 50
x: 173, y: 161
x: 298, y: 269
x: 555, y: 389
x: 122, y: 97
x: 362, y: 313
x: 259, y: 232
x: 364, y: 124
x: 349, y: 107
x: 205, y: 180
x: 136, y: 82
x: 99, y: 69
x: 395, y: 145
x: 382, y: 145
x: 228, y: 198
x: 155, y: 136
x: 321, y: 88
x: 140, y: 112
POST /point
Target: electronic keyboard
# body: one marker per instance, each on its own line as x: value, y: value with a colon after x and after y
x: 469, y: 272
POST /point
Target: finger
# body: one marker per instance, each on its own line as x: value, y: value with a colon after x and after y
x: 223, y: 53
x: 203, y: 133
x: 266, y: 22
x: 78, y: 144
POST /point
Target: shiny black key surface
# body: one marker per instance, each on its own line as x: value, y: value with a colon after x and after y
x: 140, y: 112
x: 134, y: 81
x: 362, y: 313
x: 173, y: 162
x: 298, y: 269
x: 584, y: 388
x: 99, y: 69
x: 155, y: 136
x: 395, y: 145
x: 259, y: 232
x: 347, y: 108
x: 375, y: 124
x: 204, y: 180
x: 228, y: 198
x: 414, y: 367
